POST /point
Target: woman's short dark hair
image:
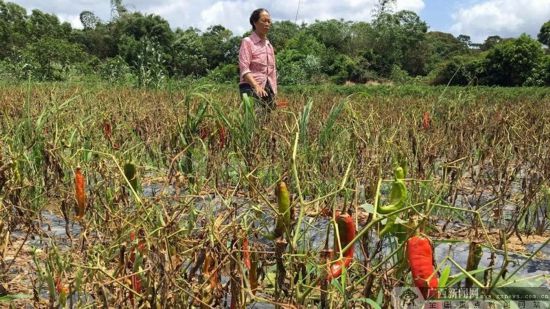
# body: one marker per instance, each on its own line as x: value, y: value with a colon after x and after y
x: 255, y: 16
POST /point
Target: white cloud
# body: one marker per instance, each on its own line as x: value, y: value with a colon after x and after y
x: 232, y: 14
x: 506, y: 18
x: 74, y: 20
x: 411, y: 5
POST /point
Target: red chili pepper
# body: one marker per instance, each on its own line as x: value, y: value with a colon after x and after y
x: 107, y: 131
x: 282, y: 103
x: 346, y: 231
x: 141, y: 248
x: 132, y: 257
x: 136, y: 286
x: 246, y: 253
x: 80, y: 193
x: 421, y: 262
x: 426, y: 121
x: 222, y: 136
x: 204, y: 133
x: 253, y: 273
x: 142, y: 245
x: 136, y: 283
x: 60, y: 287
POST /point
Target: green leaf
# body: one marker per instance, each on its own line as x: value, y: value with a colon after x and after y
x: 327, y: 132
x: 518, y: 282
x: 304, y: 120
x: 380, y: 297
x: 9, y: 298
x: 338, y: 286
x: 456, y: 279
x: 444, y: 276
x: 271, y: 278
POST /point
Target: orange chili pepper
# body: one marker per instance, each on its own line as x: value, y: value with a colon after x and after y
x: 426, y: 121
x: 80, y: 193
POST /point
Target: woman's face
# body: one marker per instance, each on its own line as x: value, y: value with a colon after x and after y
x: 263, y: 24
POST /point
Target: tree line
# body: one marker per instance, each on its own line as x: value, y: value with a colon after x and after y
x: 143, y: 49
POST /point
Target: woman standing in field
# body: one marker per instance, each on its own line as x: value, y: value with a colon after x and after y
x: 258, y: 73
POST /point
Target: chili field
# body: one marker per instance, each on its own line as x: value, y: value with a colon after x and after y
x: 190, y: 197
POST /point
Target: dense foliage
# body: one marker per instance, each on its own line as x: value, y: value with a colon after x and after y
x: 142, y: 49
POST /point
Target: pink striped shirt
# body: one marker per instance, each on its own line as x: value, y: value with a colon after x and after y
x: 257, y: 57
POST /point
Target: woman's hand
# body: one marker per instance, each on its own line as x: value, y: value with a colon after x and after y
x: 255, y: 86
x: 260, y: 91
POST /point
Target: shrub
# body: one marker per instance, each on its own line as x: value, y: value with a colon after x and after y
x: 460, y: 70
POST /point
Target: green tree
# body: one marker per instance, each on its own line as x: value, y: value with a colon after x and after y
x: 289, y: 68
x: 144, y: 42
x: 442, y: 46
x: 341, y: 67
x: 334, y: 34
x: 42, y: 25
x: 281, y: 33
x: 361, y: 38
x: 490, y: 42
x: 188, y: 54
x: 383, y: 7
x: 445, y: 45
x: 544, y: 34
x: 117, y: 9
x: 464, y: 39
x: 297, y: 68
x: 51, y: 58
x: 460, y: 70
x: 398, y: 41
x: 541, y: 74
x: 511, y: 62
x: 98, y: 41
x: 306, y: 44
x: 220, y: 47
x: 89, y: 20
x: 13, y: 29
x: 138, y: 26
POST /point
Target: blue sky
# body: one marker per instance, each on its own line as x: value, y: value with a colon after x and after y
x: 437, y: 13
x: 477, y: 18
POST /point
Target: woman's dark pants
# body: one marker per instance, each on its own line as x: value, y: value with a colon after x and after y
x: 267, y: 102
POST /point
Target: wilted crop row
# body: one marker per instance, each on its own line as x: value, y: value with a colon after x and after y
x: 173, y: 191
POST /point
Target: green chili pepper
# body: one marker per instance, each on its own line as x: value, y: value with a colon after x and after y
x: 398, y: 197
x: 398, y: 194
x: 130, y: 172
x: 283, y: 212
